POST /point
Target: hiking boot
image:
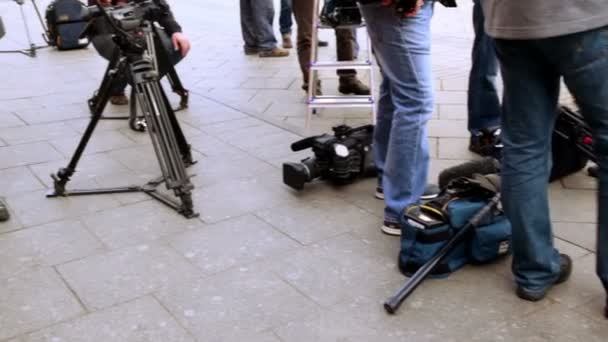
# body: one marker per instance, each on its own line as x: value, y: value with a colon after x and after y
x: 119, y: 100
x: 319, y: 91
x: 391, y: 228
x: 352, y: 85
x: 287, y: 43
x: 431, y: 191
x: 565, y: 269
x: 276, y: 52
x: 4, y: 214
x: 486, y: 142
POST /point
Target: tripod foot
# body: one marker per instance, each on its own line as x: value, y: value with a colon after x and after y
x: 60, y: 179
x: 187, y: 206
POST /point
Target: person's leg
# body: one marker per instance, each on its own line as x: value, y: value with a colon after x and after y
x: 402, y: 47
x: 584, y: 66
x: 528, y: 116
x: 382, y: 130
x: 349, y: 84
x: 248, y: 28
x: 285, y: 23
x: 263, y: 16
x: 483, y: 101
x: 303, y: 12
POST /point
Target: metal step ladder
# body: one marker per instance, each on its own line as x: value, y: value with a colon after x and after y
x: 337, y: 101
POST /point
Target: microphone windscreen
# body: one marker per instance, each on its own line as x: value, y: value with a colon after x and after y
x: 483, y: 166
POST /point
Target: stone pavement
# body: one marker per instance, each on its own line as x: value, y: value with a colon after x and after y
x: 263, y: 263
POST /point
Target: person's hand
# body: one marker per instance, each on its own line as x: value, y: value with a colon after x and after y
x: 419, y: 4
x: 181, y: 43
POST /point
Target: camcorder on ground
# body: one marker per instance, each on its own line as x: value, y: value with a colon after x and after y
x: 340, y: 158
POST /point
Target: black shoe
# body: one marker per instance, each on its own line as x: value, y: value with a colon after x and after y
x: 565, y: 265
x: 486, y: 142
x: 352, y: 85
x: 430, y: 192
x: 391, y: 228
x: 319, y: 91
x: 322, y: 43
x: 4, y: 214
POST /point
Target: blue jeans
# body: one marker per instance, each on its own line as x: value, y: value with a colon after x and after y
x: 403, y: 49
x: 483, y: 102
x: 285, y: 20
x: 531, y: 71
x: 256, y: 24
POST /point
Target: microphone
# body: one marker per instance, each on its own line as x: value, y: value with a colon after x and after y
x: 483, y: 166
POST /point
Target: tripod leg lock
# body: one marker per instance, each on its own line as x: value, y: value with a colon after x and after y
x: 60, y: 179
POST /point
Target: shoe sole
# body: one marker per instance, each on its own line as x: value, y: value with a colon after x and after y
x: 391, y: 231
x: 379, y: 195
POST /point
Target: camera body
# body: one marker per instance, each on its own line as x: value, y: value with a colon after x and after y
x: 340, y: 158
x: 126, y: 17
x: 341, y: 13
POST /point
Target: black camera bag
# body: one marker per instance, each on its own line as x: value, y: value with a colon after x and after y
x: 65, y: 24
x: 572, y: 144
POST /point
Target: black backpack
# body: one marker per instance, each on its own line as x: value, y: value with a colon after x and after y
x: 65, y: 24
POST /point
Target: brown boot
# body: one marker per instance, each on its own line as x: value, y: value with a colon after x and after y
x: 119, y: 100
x: 287, y: 43
x: 276, y: 52
x: 352, y: 85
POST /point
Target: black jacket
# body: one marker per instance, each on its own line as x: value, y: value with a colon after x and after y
x: 167, y: 21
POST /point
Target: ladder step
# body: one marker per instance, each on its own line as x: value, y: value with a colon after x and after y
x: 341, y: 101
x: 340, y: 65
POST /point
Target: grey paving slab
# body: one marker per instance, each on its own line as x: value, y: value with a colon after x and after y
x: 8, y: 119
x: 33, y: 300
x: 34, y: 208
x: 234, y: 242
x: 267, y: 83
x: 45, y: 245
x: 214, y: 170
x: 20, y: 155
x: 142, y: 320
x: 107, y: 279
x: 451, y: 97
x: 100, y: 142
x: 580, y: 181
x: 448, y: 128
x: 137, y: 224
x: 226, y: 199
x: 34, y: 133
x: 317, y: 219
x: 572, y: 205
x: 238, y: 303
x: 582, y: 286
x: 554, y: 323
x: 455, y: 148
x: 325, y: 270
x: 54, y: 113
x: 452, y: 112
x: 581, y: 234
x: 17, y: 180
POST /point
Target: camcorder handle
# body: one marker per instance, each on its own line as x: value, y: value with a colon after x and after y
x: 303, y: 144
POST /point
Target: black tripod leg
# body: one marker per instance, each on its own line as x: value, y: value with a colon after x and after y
x: 96, y: 105
x: 180, y: 138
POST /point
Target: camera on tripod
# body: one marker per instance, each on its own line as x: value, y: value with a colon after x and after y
x: 341, y: 13
x: 340, y: 158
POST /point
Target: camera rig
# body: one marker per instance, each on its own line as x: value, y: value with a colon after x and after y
x: 340, y: 158
x: 134, y: 34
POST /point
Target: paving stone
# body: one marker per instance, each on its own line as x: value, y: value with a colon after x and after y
x: 8, y: 119
x: 581, y: 181
x: 581, y: 234
x: 582, y: 286
x: 238, y: 303
x: 18, y: 179
x: 34, y: 208
x: 267, y: 83
x: 234, y: 198
x: 317, y: 219
x: 448, y: 128
x: 122, y: 275
x: 325, y: 270
x: 54, y: 113
x: 20, y: 155
x: 451, y: 97
x: 35, y: 133
x: 554, y: 323
x: 100, y: 142
x: 594, y: 308
x: 233, y: 242
x: 137, y: 224
x: 13, y: 223
x: 141, y: 320
x: 455, y: 148
x: 453, y: 112
x: 33, y: 300
x: 215, y: 170
x: 45, y: 245
x: 572, y: 205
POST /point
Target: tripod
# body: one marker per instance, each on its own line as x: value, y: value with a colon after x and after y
x: 170, y: 145
x: 32, y: 48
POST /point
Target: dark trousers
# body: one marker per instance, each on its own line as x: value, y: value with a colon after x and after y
x: 345, y: 39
